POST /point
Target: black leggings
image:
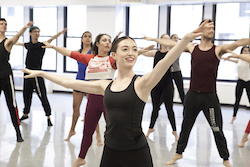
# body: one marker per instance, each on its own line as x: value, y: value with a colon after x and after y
x: 128, y: 158
x: 178, y: 79
x: 164, y: 94
x: 209, y: 104
x: 7, y: 85
x: 29, y: 85
x: 238, y: 93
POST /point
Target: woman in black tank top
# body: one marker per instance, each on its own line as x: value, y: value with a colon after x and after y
x: 124, y: 100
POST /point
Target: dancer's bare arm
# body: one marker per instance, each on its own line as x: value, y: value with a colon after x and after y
x: 117, y: 36
x: 170, y: 43
x: 244, y: 57
x: 10, y: 42
x: 150, y: 53
x: 57, y: 35
x: 61, y: 50
x: 19, y: 43
x: 147, y: 51
x: 230, y: 59
x: 166, y: 42
x: 93, y: 87
x: 221, y: 49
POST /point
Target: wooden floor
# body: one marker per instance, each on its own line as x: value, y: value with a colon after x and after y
x: 45, y: 146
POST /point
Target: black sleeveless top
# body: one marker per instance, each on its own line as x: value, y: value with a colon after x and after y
x: 5, y: 68
x: 167, y: 78
x: 204, y: 67
x: 124, y: 110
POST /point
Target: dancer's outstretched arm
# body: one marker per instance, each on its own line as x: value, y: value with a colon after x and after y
x: 57, y: 35
x: 94, y: 87
x: 61, y: 50
x: 150, y: 53
x: 229, y: 59
x: 161, y: 41
x: 10, y: 42
x: 83, y: 58
x: 245, y: 57
x: 19, y: 43
x: 145, y: 51
x: 50, y: 40
x: 170, y: 43
x: 117, y: 36
x: 150, y: 79
x: 225, y: 47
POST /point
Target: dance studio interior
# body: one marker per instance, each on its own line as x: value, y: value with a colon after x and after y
x: 45, y: 146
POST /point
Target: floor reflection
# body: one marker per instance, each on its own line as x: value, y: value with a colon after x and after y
x: 45, y: 146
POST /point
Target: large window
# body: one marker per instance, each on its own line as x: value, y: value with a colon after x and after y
x: 77, y: 24
x: 181, y: 24
x: 14, y: 18
x: 232, y: 23
x: 142, y: 22
x: 46, y: 20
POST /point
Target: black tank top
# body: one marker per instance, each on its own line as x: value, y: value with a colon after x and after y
x: 167, y: 78
x: 204, y: 67
x: 5, y: 68
x: 124, y: 111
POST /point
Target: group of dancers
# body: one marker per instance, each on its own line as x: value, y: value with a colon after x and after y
x: 122, y: 99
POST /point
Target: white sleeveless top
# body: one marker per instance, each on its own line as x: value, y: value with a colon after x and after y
x: 243, y: 70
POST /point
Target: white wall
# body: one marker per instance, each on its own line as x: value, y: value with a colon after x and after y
x: 100, y: 2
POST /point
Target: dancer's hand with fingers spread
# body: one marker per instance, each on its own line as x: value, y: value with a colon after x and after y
x: 199, y: 31
x: 234, y: 55
x: 120, y: 32
x: 64, y: 30
x: 32, y: 73
x: 28, y: 24
x: 147, y: 38
x: 47, y: 45
x: 143, y: 50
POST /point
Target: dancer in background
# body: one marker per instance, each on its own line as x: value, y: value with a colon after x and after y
x: 6, y: 75
x: 244, y: 57
x: 176, y: 73
x: 34, y: 61
x: 86, y: 44
x: 99, y: 66
x: 124, y: 136
x: 163, y: 91
x: 243, y: 80
x: 202, y: 93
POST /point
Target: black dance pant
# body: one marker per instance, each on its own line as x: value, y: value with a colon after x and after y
x: 164, y: 94
x: 36, y: 83
x: 238, y: 93
x: 7, y: 85
x: 178, y: 79
x: 209, y: 104
x: 126, y: 158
